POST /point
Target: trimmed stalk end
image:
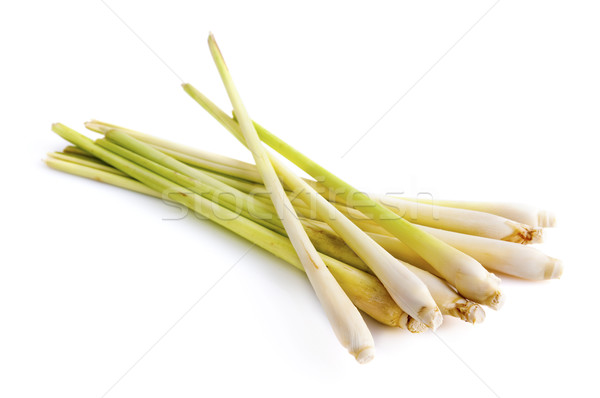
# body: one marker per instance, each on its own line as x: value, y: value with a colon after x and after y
x: 365, y: 355
x: 431, y: 317
x: 523, y: 233
x: 546, y: 219
x: 536, y: 235
x: 554, y: 269
x: 415, y: 326
x: 97, y: 127
x: 496, y: 300
x: 469, y: 311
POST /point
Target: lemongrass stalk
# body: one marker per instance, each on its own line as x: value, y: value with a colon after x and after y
x: 446, y: 298
x: 191, y: 156
x: 505, y: 257
x: 155, y: 155
x: 449, y: 302
x: 365, y: 291
x: 233, y: 167
x: 72, y: 149
x: 162, y: 143
x: 246, y: 186
x: 472, y: 280
x: 107, y: 177
x: 494, y: 255
x: 345, y: 319
x: 462, y: 220
x: 462, y: 271
x: 240, y: 175
x: 194, y: 180
x: 84, y: 161
x: 407, y: 290
x: 325, y: 241
x: 381, y: 308
x: 518, y: 212
x: 86, y: 157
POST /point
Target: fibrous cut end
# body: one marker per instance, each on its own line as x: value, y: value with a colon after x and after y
x: 469, y: 311
x: 365, y: 355
x: 524, y: 234
x: 431, y: 317
x: 415, y: 326
x: 495, y: 301
x: 554, y: 269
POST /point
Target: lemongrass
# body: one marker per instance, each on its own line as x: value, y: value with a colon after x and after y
x: 223, y: 195
x: 449, y: 302
x: 407, y: 290
x: 107, y: 177
x: 191, y: 156
x: 84, y: 161
x: 326, y: 241
x: 494, y: 255
x: 245, y: 171
x: 191, y: 178
x: 518, y: 212
x: 346, y: 321
x: 365, y: 291
x: 243, y: 185
x: 238, y: 202
x: 472, y: 280
x: 261, y: 236
x: 462, y: 220
x: 511, y: 259
x: 505, y: 257
x: 72, y: 149
x: 219, y: 115
x: 446, y: 298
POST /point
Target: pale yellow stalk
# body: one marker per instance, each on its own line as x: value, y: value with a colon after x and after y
x: 345, y: 319
x: 518, y: 212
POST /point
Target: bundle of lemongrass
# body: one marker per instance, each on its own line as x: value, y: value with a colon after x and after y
x: 403, y: 262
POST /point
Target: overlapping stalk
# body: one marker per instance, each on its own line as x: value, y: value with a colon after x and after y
x: 345, y: 319
x: 403, y: 261
x: 407, y: 290
x: 513, y: 222
x: 505, y: 257
x: 465, y: 221
x: 463, y: 272
x: 365, y: 290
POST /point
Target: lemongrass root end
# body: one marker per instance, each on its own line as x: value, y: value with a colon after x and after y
x: 536, y: 235
x: 524, y: 234
x: 365, y: 355
x: 495, y: 301
x: 469, y: 311
x: 431, y: 317
x: 554, y: 269
x: 415, y: 326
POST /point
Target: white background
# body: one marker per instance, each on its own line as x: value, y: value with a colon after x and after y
x: 91, y: 277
